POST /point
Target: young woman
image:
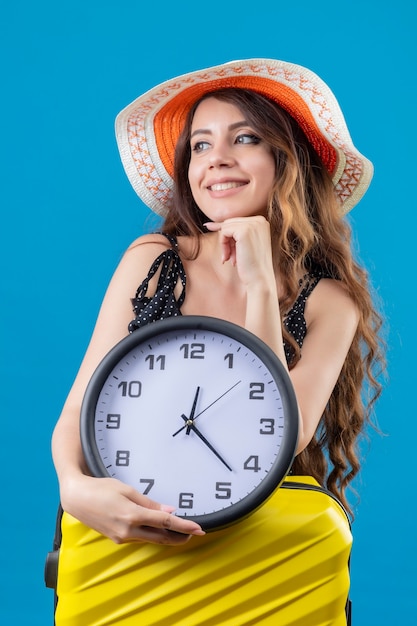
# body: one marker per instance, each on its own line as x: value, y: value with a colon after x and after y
x: 252, y: 167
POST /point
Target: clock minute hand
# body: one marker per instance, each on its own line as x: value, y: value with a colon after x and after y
x: 190, y: 425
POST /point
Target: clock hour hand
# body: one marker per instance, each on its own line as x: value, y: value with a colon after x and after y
x: 191, y: 418
x: 191, y: 426
x: 210, y: 405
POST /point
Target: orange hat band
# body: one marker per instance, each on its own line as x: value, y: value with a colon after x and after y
x: 169, y: 120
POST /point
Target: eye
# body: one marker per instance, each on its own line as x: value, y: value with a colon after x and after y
x: 199, y: 146
x: 247, y: 138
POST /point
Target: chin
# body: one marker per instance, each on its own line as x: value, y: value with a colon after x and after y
x: 225, y: 213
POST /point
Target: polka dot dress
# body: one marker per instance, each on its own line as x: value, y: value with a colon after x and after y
x: 164, y: 304
x: 294, y: 321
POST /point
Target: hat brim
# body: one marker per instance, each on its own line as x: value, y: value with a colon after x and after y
x: 147, y: 130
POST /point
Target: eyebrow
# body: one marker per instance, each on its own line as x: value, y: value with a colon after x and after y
x: 206, y: 131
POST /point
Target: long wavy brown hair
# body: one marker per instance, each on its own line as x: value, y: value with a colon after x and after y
x: 308, y: 230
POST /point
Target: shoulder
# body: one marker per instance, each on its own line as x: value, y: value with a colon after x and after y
x: 331, y: 303
x: 136, y: 260
x: 151, y: 245
x: 155, y: 241
x: 146, y: 248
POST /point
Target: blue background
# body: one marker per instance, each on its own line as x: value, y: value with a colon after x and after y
x: 68, y: 213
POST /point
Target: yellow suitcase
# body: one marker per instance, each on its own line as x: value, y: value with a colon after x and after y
x: 285, y: 565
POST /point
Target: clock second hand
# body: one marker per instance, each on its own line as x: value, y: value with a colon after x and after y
x: 191, y: 426
x: 207, y: 407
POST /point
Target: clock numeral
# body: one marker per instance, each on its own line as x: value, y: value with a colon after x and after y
x: 252, y: 463
x: 268, y: 427
x: 150, y: 483
x: 113, y: 420
x: 223, y: 491
x: 159, y: 359
x: 122, y: 458
x: 133, y: 389
x: 229, y: 359
x: 193, y: 350
x: 257, y: 391
x: 185, y: 500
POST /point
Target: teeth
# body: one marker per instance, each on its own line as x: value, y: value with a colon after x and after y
x: 224, y: 186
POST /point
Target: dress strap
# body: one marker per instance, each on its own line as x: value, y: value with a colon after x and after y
x: 163, y: 303
x: 171, y: 238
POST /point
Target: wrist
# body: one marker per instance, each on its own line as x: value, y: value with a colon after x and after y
x: 71, y: 486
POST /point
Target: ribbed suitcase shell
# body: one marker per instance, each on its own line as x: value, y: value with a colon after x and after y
x: 285, y: 565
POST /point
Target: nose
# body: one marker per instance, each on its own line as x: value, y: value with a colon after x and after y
x: 221, y: 155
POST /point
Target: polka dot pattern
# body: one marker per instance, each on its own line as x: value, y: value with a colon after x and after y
x: 294, y: 321
x: 164, y: 303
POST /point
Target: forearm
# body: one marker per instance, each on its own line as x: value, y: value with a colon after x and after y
x: 263, y: 318
x: 67, y: 452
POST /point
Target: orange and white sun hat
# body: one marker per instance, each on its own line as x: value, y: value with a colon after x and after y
x: 147, y: 130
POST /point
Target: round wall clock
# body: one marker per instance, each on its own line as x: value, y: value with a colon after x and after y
x: 194, y: 412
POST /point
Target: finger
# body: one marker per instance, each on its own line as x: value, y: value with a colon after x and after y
x: 143, y: 501
x: 151, y: 513
x: 160, y: 520
x: 227, y: 249
x: 212, y: 226
x: 233, y: 257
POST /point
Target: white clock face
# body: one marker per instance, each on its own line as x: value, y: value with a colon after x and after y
x: 192, y: 418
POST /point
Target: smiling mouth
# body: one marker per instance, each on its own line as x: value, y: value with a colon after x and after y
x: 224, y: 186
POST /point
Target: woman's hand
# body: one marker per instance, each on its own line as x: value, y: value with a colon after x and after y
x: 123, y: 514
x: 246, y: 243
